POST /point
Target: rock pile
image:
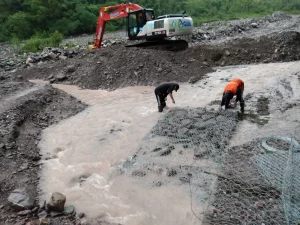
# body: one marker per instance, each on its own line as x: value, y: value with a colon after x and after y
x: 220, y: 29
x: 50, y: 54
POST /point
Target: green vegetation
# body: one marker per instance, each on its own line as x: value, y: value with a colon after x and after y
x: 40, y: 41
x: 41, y: 22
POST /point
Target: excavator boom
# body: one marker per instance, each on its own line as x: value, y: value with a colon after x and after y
x: 111, y: 13
x: 141, y: 24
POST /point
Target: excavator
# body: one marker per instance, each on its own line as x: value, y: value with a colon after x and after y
x: 142, y: 25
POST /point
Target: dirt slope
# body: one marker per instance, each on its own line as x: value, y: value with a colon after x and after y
x: 26, y: 109
x: 118, y: 66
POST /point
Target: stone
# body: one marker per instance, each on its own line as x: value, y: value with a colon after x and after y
x: 81, y: 215
x: 159, y: 69
x: 157, y: 184
x: 171, y: 148
x: 52, y: 55
x: 50, y: 77
x: 200, y: 152
x: 22, y: 222
x: 238, y: 204
x: 227, y: 53
x: 254, y: 25
x: 33, y: 222
x: 61, y: 77
x: 138, y: 173
x: 166, y: 152
x: 43, y: 205
x: 71, y: 68
x: 171, y: 173
x: 29, y: 60
x: 260, y: 205
x: 44, y: 221
x: 43, y: 214
x: 22, y: 198
x: 54, y: 214
x: 266, y: 61
x: 258, y: 56
x: 84, y: 222
x: 1, y: 206
x: 184, y: 179
x: 69, y: 210
x: 62, y: 57
x: 24, y: 213
x: 156, y: 149
x: 57, y: 202
x: 52, y: 80
x: 23, y: 167
x: 35, y: 209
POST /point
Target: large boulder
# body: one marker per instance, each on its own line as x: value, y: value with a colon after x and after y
x: 61, y: 77
x: 22, y: 199
x: 57, y: 202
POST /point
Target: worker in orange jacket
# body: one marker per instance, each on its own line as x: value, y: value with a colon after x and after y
x: 234, y: 87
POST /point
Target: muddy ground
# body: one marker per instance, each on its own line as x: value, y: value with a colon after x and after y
x: 25, y: 110
x: 116, y: 67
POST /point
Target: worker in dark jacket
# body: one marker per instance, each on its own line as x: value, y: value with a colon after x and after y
x: 234, y: 87
x: 161, y: 93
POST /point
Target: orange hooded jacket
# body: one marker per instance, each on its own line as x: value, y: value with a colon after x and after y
x: 233, y: 86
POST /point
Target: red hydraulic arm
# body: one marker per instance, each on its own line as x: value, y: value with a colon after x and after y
x: 111, y: 13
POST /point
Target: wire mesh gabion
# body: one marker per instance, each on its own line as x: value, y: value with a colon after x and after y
x: 245, y: 184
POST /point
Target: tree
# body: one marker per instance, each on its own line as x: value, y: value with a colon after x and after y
x: 20, y: 24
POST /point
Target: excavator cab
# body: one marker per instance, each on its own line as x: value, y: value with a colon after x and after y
x: 137, y: 20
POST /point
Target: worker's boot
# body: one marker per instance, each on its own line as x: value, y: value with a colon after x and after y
x: 160, y: 109
x: 242, y: 107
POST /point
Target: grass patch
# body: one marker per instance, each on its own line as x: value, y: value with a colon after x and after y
x: 40, y: 41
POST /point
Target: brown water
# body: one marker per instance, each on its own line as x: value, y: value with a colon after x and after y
x: 86, y: 148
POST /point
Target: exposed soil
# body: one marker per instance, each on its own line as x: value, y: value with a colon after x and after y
x: 117, y: 66
x: 20, y: 125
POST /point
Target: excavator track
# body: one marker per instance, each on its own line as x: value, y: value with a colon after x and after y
x: 163, y: 45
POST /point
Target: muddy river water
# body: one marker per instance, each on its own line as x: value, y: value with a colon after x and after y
x: 80, y: 154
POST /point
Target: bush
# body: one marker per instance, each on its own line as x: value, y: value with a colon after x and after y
x: 65, y: 26
x: 4, y: 34
x: 40, y: 41
x: 87, y: 20
x: 20, y: 25
x: 15, y: 41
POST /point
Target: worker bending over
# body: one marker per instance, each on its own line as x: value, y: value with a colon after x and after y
x: 234, y: 87
x: 161, y: 93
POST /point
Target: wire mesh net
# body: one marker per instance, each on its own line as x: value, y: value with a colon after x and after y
x: 253, y: 183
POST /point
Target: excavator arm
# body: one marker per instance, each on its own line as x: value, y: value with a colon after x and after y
x: 111, y: 13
